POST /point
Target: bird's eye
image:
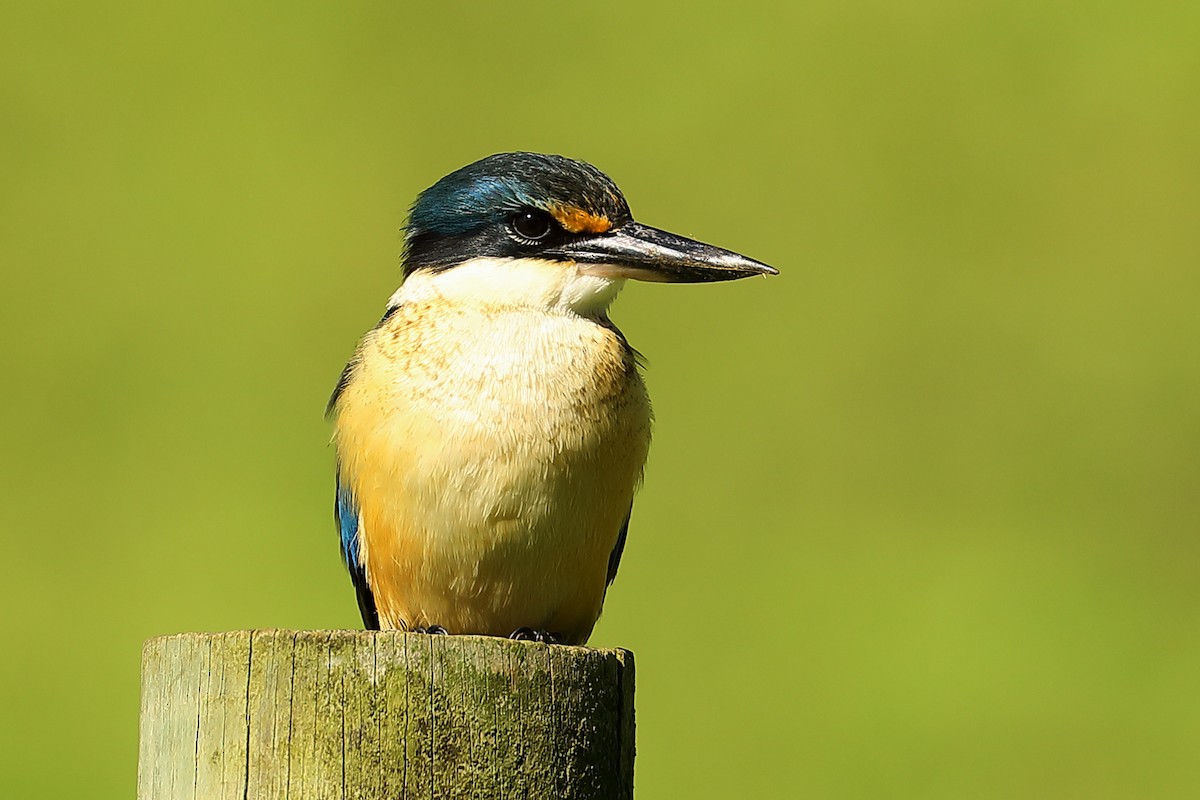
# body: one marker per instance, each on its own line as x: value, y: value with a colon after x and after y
x: 532, y: 226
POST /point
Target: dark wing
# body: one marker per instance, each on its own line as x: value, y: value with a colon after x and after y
x: 345, y: 509
x: 343, y: 382
x: 614, y: 558
x: 351, y: 365
x: 634, y: 361
x: 345, y: 513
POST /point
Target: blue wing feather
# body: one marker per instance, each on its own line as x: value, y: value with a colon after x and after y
x: 345, y: 509
x: 345, y: 513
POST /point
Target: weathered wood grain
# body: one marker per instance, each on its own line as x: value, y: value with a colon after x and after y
x: 310, y: 715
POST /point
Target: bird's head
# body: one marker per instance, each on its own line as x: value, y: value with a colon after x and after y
x: 558, y: 214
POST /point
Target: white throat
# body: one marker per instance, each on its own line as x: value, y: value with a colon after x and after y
x: 522, y: 282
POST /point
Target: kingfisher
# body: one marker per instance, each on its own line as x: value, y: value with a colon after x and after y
x: 491, y: 429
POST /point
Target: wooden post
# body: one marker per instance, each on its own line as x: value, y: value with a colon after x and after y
x: 305, y: 715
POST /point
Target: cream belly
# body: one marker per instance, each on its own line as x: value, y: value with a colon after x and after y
x: 493, y: 451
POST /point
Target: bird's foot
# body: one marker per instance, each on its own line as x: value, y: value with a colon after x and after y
x: 527, y: 634
x: 433, y: 630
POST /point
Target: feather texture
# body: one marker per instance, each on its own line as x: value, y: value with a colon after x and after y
x: 491, y: 435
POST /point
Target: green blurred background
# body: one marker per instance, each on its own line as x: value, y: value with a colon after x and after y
x: 922, y: 515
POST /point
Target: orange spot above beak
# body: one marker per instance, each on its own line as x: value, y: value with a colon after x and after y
x: 576, y: 220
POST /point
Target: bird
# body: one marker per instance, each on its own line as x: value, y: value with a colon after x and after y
x: 491, y: 430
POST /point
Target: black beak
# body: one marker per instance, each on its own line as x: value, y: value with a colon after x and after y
x: 638, y: 251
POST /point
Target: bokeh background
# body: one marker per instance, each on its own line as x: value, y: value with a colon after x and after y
x: 922, y: 515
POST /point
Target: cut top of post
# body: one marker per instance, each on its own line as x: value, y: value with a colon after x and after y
x: 382, y: 714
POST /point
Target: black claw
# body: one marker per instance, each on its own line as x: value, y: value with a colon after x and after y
x: 527, y: 634
x: 433, y: 630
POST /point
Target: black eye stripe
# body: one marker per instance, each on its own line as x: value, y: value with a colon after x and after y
x: 532, y: 225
